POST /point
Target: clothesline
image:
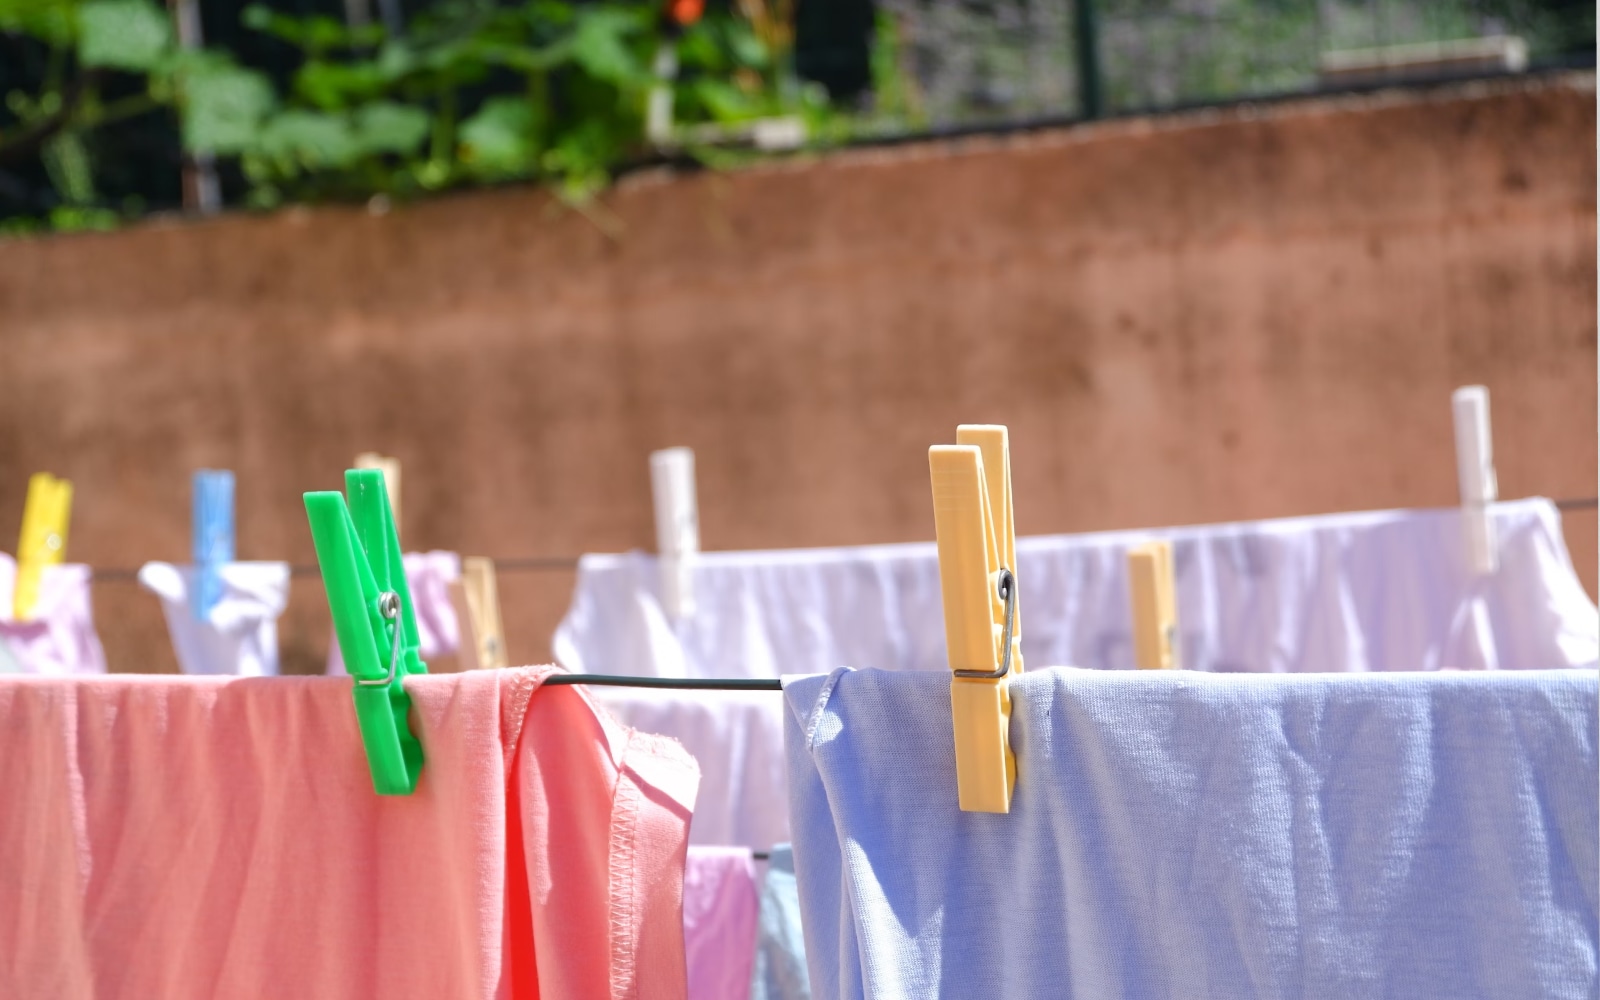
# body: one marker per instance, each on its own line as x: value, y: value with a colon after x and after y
x: 547, y: 564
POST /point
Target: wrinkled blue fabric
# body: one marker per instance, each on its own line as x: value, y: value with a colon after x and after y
x: 1185, y: 835
x: 780, y: 966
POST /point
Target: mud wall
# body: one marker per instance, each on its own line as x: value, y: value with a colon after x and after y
x: 1213, y: 316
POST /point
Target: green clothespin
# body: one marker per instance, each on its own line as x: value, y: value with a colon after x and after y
x: 359, y: 553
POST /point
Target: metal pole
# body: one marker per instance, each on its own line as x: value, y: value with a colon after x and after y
x: 201, y: 191
x: 1086, y: 23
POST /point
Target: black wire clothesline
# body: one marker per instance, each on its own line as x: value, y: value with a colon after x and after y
x: 549, y: 564
x: 675, y: 683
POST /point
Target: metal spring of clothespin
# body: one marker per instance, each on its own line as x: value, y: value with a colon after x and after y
x: 213, y: 537
x: 373, y: 619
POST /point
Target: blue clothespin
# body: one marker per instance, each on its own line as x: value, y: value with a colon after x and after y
x: 213, y: 537
x: 359, y: 553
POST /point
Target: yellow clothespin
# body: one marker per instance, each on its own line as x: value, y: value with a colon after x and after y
x: 477, y: 604
x: 976, y: 532
x: 390, y: 467
x: 1153, y: 591
x: 44, y: 538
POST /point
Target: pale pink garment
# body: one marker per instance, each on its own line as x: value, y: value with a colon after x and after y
x: 59, y: 637
x: 428, y: 577
x: 201, y: 837
x: 720, y: 902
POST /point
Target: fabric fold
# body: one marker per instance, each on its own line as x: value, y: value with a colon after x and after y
x: 240, y: 634
x: 1426, y: 835
x: 1370, y: 591
x: 59, y: 637
x: 189, y: 837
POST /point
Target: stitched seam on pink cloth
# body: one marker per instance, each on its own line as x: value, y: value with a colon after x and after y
x: 624, y: 879
x: 520, y: 684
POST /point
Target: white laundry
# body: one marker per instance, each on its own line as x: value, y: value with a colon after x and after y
x: 240, y: 634
x: 1385, y: 590
x: 59, y: 638
x: 737, y: 736
x: 428, y: 577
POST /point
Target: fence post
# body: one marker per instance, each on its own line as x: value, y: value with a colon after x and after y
x: 1091, y: 103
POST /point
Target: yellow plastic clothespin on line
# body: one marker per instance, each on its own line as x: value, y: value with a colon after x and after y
x: 477, y: 604
x: 45, y: 515
x: 972, y: 515
x: 390, y: 467
x: 1152, y: 589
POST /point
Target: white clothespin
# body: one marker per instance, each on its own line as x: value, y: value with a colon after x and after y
x: 677, y: 527
x: 390, y: 467
x: 477, y: 604
x: 1475, y: 474
x: 973, y: 520
x: 1153, y: 592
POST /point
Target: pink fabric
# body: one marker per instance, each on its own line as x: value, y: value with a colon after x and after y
x: 59, y: 637
x: 199, y: 837
x: 719, y: 922
x: 428, y: 577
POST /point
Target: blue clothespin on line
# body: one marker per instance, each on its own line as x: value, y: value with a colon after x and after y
x: 359, y: 553
x: 213, y: 537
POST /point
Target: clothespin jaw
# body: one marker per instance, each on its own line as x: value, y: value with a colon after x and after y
x: 1153, y: 593
x: 373, y: 619
x: 45, y: 515
x: 677, y: 513
x: 212, y: 543
x: 390, y: 467
x: 973, y: 521
x: 477, y: 602
x: 1475, y: 474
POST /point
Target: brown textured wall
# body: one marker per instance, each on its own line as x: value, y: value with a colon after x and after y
x: 1225, y: 315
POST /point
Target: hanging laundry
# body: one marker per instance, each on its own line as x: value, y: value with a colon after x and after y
x: 780, y: 960
x: 240, y: 633
x: 737, y: 736
x: 1386, y: 590
x: 429, y: 575
x: 199, y: 837
x: 59, y: 638
x: 1421, y: 836
x: 719, y: 922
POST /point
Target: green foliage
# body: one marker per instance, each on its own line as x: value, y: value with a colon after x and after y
x: 123, y: 34
x: 552, y: 91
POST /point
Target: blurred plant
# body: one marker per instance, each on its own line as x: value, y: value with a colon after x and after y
x: 473, y: 92
x: 88, y: 44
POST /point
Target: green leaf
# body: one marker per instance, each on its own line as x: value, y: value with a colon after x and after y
x: 123, y: 34
x: 726, y: 102
x: 386, y: 127
x: 312, y: 138
x: 748, y: 49
x: 598, y: 45
x: 334, y: 86
x: 223, y: 106
x: 395, y: 60
x: 316, y: 33
x: 498, y: 140
x: 50, y: 21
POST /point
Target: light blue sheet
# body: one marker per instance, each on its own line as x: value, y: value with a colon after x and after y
x: 1186, y: 835
x: 779, y: 971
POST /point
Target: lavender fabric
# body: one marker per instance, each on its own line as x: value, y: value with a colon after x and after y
x: 1425, y: 836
